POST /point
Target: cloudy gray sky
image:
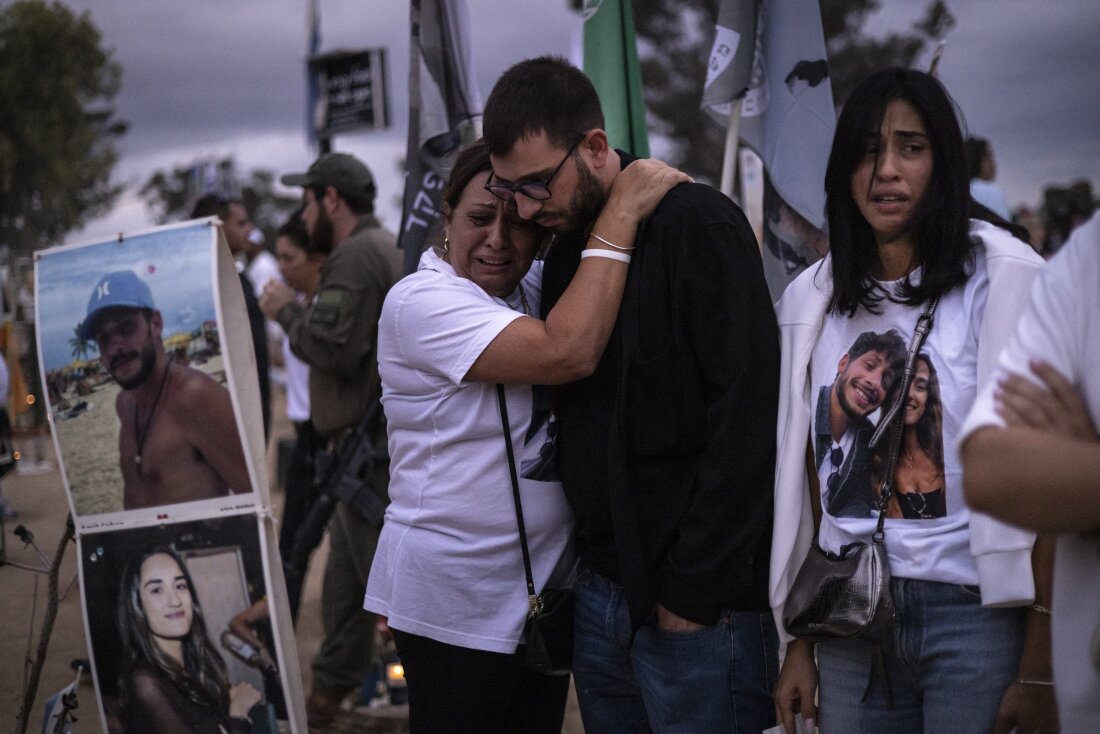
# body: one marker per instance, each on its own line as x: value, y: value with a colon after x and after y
x: 216, y: 77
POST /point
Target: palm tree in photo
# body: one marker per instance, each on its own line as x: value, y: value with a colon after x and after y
x: 79, y: 344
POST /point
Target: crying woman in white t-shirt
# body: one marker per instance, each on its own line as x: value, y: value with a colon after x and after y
x: 448, y: 572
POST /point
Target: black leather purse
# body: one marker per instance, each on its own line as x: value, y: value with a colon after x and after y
x: 549, y: 628
x: 846, y: 596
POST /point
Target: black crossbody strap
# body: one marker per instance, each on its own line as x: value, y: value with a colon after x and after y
x: 532, y: 598
x: 894, y: 419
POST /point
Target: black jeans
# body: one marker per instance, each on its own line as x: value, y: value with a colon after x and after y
x: 299, y: 498
x: 457, y: 690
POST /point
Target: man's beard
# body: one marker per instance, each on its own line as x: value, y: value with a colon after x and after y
x: 850, y: 410
x: 585, y: 204
x: 148, y: 362
x: 321, y: 238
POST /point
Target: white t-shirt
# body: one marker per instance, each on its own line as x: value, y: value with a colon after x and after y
x: 297, y: 385
x: 927, y: 526
x: 296, y: 378
x: 448, y: 564
x: 1062, y: 327
x: 261, y: 269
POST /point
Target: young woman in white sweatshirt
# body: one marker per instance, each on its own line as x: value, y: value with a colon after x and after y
x: 965, y: 646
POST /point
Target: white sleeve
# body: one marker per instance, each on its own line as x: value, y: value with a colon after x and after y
x: 1045, y: 331
x: 441, y: 325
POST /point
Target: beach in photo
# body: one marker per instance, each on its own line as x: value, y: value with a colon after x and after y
x: 89, y: 435
x: 149, y: 421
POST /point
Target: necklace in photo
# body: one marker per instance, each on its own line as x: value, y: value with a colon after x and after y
x: 141, y: 436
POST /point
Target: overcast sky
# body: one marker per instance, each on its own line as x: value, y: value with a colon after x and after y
x: 218, y: 77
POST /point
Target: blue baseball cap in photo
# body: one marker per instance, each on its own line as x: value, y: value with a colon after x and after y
x: 120, y: 288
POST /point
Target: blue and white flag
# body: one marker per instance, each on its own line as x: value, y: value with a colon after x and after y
x: 788, y: 119
x: 730, y: 66
x: 58, y: 718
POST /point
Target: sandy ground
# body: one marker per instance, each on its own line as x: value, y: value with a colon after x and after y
x: 89, y: 446
x: 42, y: 506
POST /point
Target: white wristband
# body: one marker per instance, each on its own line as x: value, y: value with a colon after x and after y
x: 596, y: 252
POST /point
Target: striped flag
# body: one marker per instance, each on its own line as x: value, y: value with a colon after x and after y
x: 444, y: 115
x: 787, y: 118
x: 611, y: 62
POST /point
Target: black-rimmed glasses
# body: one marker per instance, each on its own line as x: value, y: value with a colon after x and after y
x: 537, y: 190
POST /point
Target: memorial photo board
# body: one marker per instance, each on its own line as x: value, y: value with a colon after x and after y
x: 149, y: 383
x: 151, y: 387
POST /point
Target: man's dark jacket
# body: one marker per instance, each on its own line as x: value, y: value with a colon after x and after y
x: 667, y: 452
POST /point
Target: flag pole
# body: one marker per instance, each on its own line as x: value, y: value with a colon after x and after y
x: 729, y: 158
x: 934, y: 65
x: 411, y: 255
x: 313, y: 43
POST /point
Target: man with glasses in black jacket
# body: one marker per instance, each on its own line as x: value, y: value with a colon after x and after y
x: 667, y: 452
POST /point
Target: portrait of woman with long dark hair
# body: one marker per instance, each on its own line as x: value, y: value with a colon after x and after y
x: 919, y: 479
x: 174, y: 680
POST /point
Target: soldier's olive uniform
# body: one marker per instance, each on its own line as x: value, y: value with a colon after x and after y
x: 337, y: 337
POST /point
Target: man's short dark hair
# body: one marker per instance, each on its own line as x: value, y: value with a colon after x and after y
x: 215, y: 205
x: 547, y: 94
x: 889, y: 343
x: 976, y: 150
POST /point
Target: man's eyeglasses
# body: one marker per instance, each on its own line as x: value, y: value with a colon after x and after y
x: 537, y: 190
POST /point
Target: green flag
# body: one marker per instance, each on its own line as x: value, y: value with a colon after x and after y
x: 611, y: 62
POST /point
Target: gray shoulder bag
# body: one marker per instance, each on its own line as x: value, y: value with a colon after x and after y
x: 846, y: 596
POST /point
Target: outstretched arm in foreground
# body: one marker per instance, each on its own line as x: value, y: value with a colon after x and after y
x: 1041, y: 471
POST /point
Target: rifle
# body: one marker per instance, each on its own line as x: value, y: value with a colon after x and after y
x: 341, y: 475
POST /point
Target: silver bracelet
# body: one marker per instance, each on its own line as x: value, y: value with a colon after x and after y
x: 595, y: 252
x: 1026, y: 682
x: 611, y: 244
x: 1040, y: 609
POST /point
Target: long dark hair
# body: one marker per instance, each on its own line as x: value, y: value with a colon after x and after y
x: 943, y: 247
x: 294, y: 230
x: 202, y: 677
x: 976, y: 150
x: 929, y: 427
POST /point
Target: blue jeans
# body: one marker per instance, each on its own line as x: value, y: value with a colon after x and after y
x: 948, y: 663
x: 716, y: 679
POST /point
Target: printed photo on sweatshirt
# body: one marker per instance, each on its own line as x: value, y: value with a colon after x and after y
x: 868, y: 378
